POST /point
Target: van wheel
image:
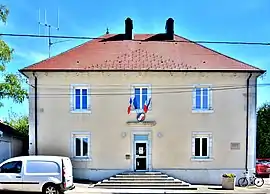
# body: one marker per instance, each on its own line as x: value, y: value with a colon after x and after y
x: 51, y: 189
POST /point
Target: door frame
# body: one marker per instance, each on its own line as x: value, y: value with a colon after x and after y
x: 148, y: 147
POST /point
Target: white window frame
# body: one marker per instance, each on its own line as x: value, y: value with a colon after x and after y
x: 210, y: 97
x: 73, y: 98
x: 201, y: 135
x: 149, y: 95
x: 82, y: 135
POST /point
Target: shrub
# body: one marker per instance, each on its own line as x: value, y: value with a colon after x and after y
x: 229, y: 175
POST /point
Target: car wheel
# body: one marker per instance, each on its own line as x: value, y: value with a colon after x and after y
x: 51, y: 189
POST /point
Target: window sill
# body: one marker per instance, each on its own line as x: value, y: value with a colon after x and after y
x: 201, y: 159
x: 78, y: 159
x: 81, y: 111
x: 140, y: 111
x: 202, y: 111
x: 143, y: 123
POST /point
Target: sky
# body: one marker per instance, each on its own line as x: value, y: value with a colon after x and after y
x: 211, y: 20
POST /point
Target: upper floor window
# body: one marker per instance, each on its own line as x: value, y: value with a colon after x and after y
x: 141, y: 96
x: 80, y: 100
x: 202, y: 98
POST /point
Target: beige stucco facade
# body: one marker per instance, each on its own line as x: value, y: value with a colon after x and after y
x: 170, y: 137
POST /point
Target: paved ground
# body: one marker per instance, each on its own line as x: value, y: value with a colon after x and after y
x: 201, y: 189
x: 84, y: 188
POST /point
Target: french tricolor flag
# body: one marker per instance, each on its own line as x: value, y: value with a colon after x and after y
x: 146, y: 106
x: 130, y: 105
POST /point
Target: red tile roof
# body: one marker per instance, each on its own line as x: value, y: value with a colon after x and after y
x: 141, y: 53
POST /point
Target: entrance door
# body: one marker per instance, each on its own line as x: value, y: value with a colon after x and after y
x: 141, y: 159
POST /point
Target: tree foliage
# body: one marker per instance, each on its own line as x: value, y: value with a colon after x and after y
x: 3, y: 13
x: 18, y: 122
x: 263, y: 131
x: 11, y: 87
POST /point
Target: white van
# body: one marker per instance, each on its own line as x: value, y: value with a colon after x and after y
x: 47, y: 174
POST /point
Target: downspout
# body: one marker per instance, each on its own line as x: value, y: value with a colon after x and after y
x: 247, y: 121
x: 36, y: 126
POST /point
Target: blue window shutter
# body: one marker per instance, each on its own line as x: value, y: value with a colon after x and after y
x: 84, y: 99
x: 205, y: 98
x: 138, y: 97
x: 144, y: 96
x: 198, y: 98
x: 77, y: 99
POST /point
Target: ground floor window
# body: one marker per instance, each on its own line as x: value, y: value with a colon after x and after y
x: 81, y: 145
x: 201, y: 145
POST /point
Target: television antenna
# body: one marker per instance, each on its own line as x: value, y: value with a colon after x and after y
x: 49, y: 27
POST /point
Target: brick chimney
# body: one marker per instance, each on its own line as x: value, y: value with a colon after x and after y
x: 128, y: 29
x: 170, y: 28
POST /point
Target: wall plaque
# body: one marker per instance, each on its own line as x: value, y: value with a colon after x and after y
x: 235, y: 146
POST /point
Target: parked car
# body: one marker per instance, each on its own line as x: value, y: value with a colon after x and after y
x: 47, y: 174
x: 262, y: 166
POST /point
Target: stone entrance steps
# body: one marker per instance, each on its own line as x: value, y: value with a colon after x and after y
x: 143, y: 180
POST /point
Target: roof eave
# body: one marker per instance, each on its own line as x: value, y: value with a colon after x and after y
x: 22, y: 72
x: 260, y: 71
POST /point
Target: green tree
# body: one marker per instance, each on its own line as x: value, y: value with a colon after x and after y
x: 18, y: 122
x: 11, y: 87
x: 263, y: 131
